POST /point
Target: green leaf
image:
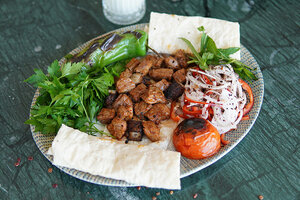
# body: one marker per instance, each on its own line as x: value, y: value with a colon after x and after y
x: 192, y: 48
x: 229, y: 51
x: 72, y: 69
x: 204, y: 39
x: 37, y: 78
x: 201, y: 29
x: 54, y: 69
x: 211, y: 46
x: 50, y: 125
x: 117, y: 68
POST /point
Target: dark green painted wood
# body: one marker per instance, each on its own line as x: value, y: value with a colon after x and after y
x: 265, y: 163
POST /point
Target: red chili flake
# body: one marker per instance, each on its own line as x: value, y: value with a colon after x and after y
x: 88, y: 192
x: 54, y: 185
x: 260, y: 197
x: 91, y: 198
x: 17, y: 164
x: 195, y: 196
x: 157, y: 193
x: 171, y: 192
x: 50, y: 170
x: 30, y: 158
x: 19, y: 160
x: 154, y: 198
x: 139, y: 188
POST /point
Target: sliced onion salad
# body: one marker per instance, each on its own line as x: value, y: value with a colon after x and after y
x: 216, y: 95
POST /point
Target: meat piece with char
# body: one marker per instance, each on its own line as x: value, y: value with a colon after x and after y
x: 109, y: 100
x: 182, y: 58
x: 147, y: 80
x: 125, y: 74
x: 159, y: 62
x: 171, y: 62
x: 174, y: 91
x: 106, y: 115
x: 125, y: 112
x: 124, y: 85
x: 144, y: 66
x: 117, y: 127
x: 158, y: 112
x: 137, y: 92
x: 153, y: 95
x: 161, y: 73
x: 136, y: 78
x: 122, y: 100
x: 180, y: 76
x: 151, y: 130
x: 132, y: 64
x: 134, y: 130
x: 141, y: 108
x: 162, y: 84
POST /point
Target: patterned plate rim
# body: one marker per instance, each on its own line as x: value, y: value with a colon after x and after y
x: 259, y: 84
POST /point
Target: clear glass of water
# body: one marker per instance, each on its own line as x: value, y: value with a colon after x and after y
x: 124, y: 12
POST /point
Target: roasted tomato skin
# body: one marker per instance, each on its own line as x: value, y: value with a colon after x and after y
x: 196, y: 138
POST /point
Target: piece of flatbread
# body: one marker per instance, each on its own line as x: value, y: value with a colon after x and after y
x: 165, y: 30
x: 136, y: 164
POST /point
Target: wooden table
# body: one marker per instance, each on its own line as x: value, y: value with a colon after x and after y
x: 266, y: 162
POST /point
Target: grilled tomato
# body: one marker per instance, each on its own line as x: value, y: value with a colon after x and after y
x: 196, y: 138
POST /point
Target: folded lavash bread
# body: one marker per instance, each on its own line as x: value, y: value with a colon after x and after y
x: 136, y: 164
x: 165, y: 31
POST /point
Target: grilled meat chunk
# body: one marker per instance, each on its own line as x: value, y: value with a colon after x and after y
x: 174, y: 91
x: 171, y: 62
x: 137, y: 92
x: 159, y: 62
x: 125, y: 74
x: 109, y: 100
x: 125, y: 112
x: 117, y: 127
x: 153, y: 95
x: 141, y: 108
x: 162, y: 84
x: 161, y: 73
x: 134, y: 125
x: 124, y: 85
x: 122, y: 100
x: 136, y: 78
x: 144, y: 66
x: 132, y: 64
x: 182, y: 58
x: 147, y: 80
x: 136, y: 118
x: 106, y: 115
x: 179, y: 76
x: 134, y: 130
x: 158, y: 112
x: 151, y: 131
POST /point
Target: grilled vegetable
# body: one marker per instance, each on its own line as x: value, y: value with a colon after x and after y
x: 196, y: 138
x: 114, y: 47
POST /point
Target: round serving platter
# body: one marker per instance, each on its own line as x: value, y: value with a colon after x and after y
x: 187, y: 166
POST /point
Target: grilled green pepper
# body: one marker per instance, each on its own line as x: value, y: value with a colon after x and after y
x: 113, y: 47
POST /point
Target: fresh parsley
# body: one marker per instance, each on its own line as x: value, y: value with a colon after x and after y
x: 71, y: 94
x: 210, y: 55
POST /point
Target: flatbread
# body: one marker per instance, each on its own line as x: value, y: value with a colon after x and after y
x: 136, y: 164
x: 165, y: 30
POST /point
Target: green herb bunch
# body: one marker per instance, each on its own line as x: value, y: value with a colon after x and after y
x: 210, y: 55
x: 70, y: 94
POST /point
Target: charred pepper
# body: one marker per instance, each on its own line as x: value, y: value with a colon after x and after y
x: 112, y: 48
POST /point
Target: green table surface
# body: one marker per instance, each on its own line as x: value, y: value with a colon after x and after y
x: 266, y: 162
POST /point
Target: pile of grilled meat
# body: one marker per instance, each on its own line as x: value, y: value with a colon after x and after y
x: 143, y: 92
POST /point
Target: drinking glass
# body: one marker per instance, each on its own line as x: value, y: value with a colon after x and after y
x: 124, y: 12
